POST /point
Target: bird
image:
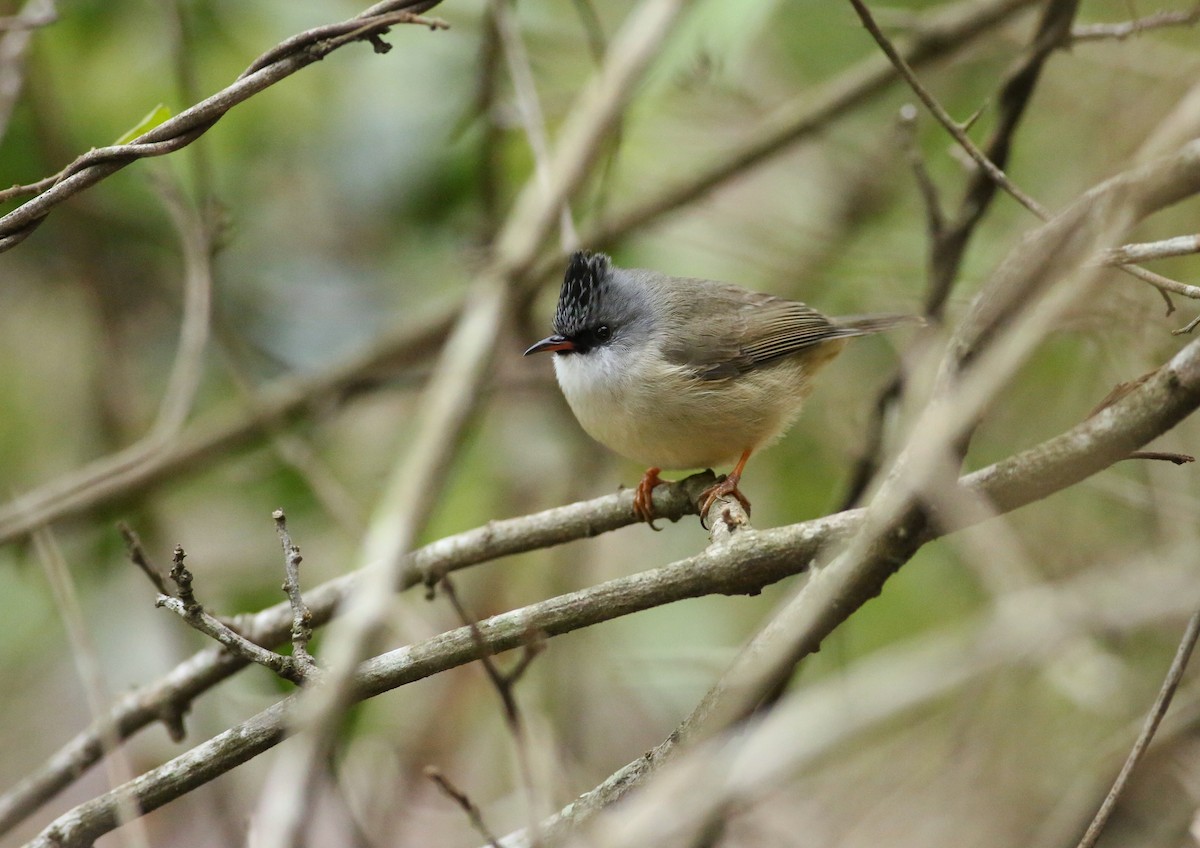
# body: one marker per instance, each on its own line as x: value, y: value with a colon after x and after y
x: 681, y: 372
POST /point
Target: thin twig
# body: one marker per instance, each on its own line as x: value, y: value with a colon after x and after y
x: 1146, y: 251
x: 231, y: 640
x: 1125, y: 29
x: 993, y: 171
x: 1165, y: 456
x: 503, y: 683
x: 165, y: 699
x: 949, y: 240
x: 1167, y: 691
x: 505, y: 686
x: 301, y: 615
x: 187, y: 607
x: 943, y: 117
x: 137, y: 555
x: 1163, y: 284
x: 464, y: 801
x: 1187, y: 328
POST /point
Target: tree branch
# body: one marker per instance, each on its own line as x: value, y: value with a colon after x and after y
x: 747, y: 563
x: 165, y: 699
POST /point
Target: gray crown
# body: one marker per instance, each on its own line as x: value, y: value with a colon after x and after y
x: 584, y: 288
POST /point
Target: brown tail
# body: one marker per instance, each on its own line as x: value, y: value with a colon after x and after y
x: 865, y: 325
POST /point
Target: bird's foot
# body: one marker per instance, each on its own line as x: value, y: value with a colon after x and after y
x: 727, y: 487
x: 643, y: 504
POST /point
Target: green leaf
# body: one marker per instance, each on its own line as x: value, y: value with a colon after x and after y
x: 155, y: 117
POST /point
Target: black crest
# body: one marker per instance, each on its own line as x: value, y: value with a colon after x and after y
x: 582, y: 290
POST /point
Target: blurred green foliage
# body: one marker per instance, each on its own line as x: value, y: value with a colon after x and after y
x: 351, y: 198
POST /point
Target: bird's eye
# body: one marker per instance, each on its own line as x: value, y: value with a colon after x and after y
x: 603, y: 333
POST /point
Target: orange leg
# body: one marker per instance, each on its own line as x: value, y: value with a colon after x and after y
x: 643, y: 506
x: 728, y: 486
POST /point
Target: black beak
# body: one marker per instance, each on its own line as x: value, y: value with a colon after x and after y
x: 551, y: 343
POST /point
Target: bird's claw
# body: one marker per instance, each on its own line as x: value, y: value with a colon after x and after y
x: 727, y: 487
x: 643, y: 503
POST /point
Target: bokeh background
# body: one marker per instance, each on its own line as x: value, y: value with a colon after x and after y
x: 358, y: 196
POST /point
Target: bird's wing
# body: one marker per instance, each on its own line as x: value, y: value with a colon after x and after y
x: 738, y: 332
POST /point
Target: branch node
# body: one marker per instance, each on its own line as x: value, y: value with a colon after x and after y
x: 378, y: 44
x: 171, y: 712
x: 183, y: 581
x: 1187, y: 328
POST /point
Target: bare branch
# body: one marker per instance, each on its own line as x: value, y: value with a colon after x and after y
x: 949, y: 241
x: 1176, y: 246
x: 464, y: 801
x: 301, y: 614
x: 749, y: 562
x: 942, y: 33
x: 953, y: 127
x: 190, y: 610
x: 137, y: 555
x: 165, y: 699
x: 212, y: 627
x: 1153, y: 718
x: 1125, y: 29
x: 1163, y: 284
